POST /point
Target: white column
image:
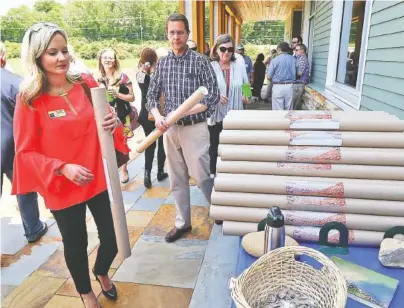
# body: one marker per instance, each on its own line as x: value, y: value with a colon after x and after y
x: 188, y: 14
x: 215, y: 16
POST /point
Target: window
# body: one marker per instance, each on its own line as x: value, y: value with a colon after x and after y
x: 311, y: 32
x: 351, y: 42
x: 347, y: 52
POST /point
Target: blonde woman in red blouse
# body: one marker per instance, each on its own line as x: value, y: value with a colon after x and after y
x: 58, y: 154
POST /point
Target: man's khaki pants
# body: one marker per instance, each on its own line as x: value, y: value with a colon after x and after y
x: 187, y: 151
x: 282, y: 96
x: 298, y: 91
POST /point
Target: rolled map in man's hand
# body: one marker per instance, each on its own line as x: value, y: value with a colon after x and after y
x: 174, y: 116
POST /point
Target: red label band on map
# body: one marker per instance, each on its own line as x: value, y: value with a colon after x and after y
x: 316, y: 201
x: 312, y: 154
x: 304, y: 166
x: 311, y: 188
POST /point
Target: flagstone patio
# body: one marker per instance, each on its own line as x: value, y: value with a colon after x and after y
x: 192, y: 272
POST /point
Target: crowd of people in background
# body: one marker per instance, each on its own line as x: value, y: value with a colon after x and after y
x: 67, y: 168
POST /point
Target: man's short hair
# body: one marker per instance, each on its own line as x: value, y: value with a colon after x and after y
x: 302, y: 46
x: 284, y: 47
x: 179, y: 17
x: 299, y: 39
x: 240, y: 47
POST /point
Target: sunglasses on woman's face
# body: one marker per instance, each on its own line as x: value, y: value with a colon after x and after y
x: 224, y: 49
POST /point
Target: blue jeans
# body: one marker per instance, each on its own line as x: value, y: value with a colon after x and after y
x: 29, y: 211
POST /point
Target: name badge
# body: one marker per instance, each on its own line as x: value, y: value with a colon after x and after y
x: 57, y: 113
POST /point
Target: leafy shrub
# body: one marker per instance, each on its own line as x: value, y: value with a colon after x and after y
x: 13, y: 49
x: 126, y: 50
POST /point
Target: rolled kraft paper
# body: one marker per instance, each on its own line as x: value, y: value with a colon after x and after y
x: 309, y: 203
x: 173, y: 117
x: 344, y: 124
x: 111, y: 173
x: 312, y: 154
x: 309, y: 234
x: 311, y: 186
x: 308, y: 114
x: 307, y: 218
x: 310, y: 169
x: 314, y: 138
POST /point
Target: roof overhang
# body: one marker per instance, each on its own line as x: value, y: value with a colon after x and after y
x: 261, y: 10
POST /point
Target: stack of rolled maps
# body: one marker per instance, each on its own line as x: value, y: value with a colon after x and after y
x: 317, y: 166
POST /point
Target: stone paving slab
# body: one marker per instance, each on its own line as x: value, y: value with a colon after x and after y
x: 156, y: 262
x: 163, y: 222
x: 147, y: 204
x: 34, y: 292
x: 16, y: 273
x: 218, y: 266
x: 132, y: 295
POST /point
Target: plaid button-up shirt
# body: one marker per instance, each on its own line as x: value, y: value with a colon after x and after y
x: 303, y: 69
x: 178, y: 77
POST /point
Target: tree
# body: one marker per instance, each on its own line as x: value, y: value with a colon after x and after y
x: 46, y: 5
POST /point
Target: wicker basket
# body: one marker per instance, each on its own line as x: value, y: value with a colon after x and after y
x: 279, y: 269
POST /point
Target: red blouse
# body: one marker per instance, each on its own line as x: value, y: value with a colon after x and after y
x: 44, y: 144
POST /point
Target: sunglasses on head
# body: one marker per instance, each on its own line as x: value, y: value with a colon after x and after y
x: 224, y: 49
x: 38, y: 26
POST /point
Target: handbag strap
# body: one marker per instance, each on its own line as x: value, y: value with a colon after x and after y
x: 86, y: 90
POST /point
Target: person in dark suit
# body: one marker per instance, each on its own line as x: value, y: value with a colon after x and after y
x: 28, y: 203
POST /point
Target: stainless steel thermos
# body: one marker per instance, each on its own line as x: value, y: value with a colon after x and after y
x: 274, y: 230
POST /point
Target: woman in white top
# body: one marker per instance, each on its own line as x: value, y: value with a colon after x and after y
x: 231, y: 75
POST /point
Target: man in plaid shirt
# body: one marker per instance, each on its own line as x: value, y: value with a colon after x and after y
x: 186, y: 143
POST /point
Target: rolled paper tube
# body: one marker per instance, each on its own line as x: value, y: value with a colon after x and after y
x: 308, y: 114
x: 173, y: 117
x: 309, y: 234
x: 313, y: 138
x: 111, y: 173
x: 311, y: 154
x: 309, y: 203
x: 310, y: 169
x: 343, y: 124
x: 307, y: 218
x: 311, y: 186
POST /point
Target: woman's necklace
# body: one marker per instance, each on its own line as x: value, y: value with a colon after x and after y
x: 64, y: 95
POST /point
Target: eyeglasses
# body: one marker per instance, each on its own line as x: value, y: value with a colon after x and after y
x: 109, y: 59
x: 178, y: 33
x: 295, y: 42
x: 224, y: 49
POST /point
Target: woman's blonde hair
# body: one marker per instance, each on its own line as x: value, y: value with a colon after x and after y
x: 101, y: 71
x: 35, y: 42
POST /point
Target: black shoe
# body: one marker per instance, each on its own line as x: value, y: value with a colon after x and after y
x: 111, y: 294
x: 176, y: 233
x: 125, y: 177
x: 40, y: 234
x: 147, y: 179
x: 161, y: 176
